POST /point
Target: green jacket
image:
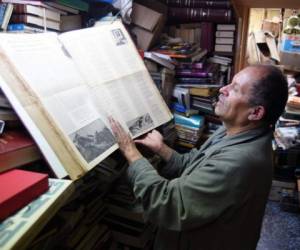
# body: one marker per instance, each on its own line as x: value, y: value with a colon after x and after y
x: 216, y: 199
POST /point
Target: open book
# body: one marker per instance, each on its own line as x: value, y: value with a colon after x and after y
x: 65, y: 86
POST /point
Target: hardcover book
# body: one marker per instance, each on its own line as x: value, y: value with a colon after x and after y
x: 199, y: 14
x: 80, y: 79
x: 16, y: 149
x: 198, y: 3
x: 18, y: 188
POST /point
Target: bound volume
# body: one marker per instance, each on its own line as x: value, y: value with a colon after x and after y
x: 64, y: 87
x: 199, y: 15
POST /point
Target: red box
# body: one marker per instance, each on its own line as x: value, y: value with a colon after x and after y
x: 18, y: 188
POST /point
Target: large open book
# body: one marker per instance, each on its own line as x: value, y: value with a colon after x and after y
x: 65, y: 86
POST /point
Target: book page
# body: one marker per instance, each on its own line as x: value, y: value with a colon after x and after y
x: 119, y: 81
x: 52, y: 77
x: 69, y: 86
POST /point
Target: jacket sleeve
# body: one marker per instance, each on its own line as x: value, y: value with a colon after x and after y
x: 177, y: 163
x: 189, y: 201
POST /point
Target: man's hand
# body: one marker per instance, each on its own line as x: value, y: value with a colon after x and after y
x: 154, y: 141
x: 126, y: 144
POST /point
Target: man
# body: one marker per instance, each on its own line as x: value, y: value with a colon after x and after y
x: 217, y: 195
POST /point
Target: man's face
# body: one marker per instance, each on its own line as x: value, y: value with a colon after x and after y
x: 233, y: 107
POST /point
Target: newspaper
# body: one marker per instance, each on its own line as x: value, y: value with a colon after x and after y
x: 73, y: 82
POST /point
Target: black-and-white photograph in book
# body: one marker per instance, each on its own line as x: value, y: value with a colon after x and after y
x: 93, y: 140
x: 140, y: 124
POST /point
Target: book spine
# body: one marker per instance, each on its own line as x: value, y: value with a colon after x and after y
x: 2, y: 12
x: 198, y: 4
x: 186, y: 73
x: 199, y: 14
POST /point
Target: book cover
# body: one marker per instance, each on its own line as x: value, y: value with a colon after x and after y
x: 199, y: 14
x: 18, y: 188
x: 66, y: 103
x: 207, y: 39
x: 24, y: 28
x: 198, y: 4
x: 74, y: 4
x: 194, y: 121
x: 16, y: 149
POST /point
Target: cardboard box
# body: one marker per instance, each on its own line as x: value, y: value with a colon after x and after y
x: 149, y: 24
x: 273, y: 27
x: 290, y: 43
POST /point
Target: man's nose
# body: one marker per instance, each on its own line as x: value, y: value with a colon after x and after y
x: 224, y: 90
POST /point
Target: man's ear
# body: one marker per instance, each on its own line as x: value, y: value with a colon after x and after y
x: 256, y: 113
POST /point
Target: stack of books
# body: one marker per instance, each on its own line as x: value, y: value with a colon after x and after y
x: 41, y: 16
x: 80, y: 223
x: 224, y: 38
x: 125, y: 218
x: 195, y: 11
x: 188, y: 32
x: 189, y: 130
x: 225, y: 65
x: 200, y: 81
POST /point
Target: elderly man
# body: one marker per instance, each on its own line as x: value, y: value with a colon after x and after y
x: 216, y: 196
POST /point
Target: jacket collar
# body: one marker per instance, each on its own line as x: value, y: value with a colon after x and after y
x: 242, y: 137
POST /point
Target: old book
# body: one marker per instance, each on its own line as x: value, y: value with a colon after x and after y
x: 8, y: 114
x: 35, y: 3
x: 35, y: 20
x: 228, y: 27
x: 16, y: 149
x: 18, y: 188
x: 158, y: 58
x: 207, y: 39
x: 6, y: 10
x: 199, y: 14
x: 198, y: 4
x: 21, y: 228
x: 203, y: 91
x: 72, y: 4
x: 224, y: 40
x: 223, y: 47
x: 23, y: 28
x: 228, y: 34
x: 37, y: 11
x: 66, y: 103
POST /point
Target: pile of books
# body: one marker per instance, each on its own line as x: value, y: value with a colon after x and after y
x: 225, y: 38
x: 189, y: 129
x: 41, y: 16
x: 125, y: 218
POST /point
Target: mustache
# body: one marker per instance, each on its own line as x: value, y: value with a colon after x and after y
x: 215, y: 99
